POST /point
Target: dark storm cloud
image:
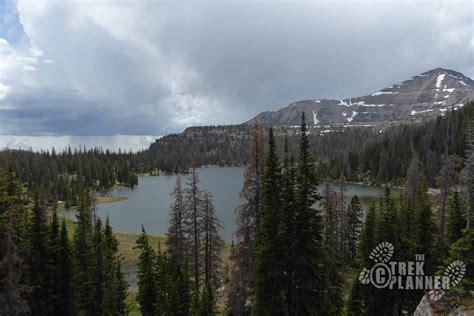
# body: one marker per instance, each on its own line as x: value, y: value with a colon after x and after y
x: 157, y: 67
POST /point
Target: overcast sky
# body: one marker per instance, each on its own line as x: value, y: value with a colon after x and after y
x: 77, y: 69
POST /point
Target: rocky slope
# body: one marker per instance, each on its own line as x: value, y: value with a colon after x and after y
x: 428, y: 94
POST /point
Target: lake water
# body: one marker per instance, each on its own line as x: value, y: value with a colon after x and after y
x: 148, y: 203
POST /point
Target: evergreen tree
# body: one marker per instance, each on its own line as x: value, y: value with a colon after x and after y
x: 463, y: 250
x: 60, y: 287
x: 38, y: 260
x: 269, y: 282
x: 212, y: 243
x: 243, y: 252
x: 208, y: 302
x: 455, y: 220
x: 114, y: 285
x: 193, y: 221
x: 176, y: 239
x: 288, y: 230
x: 13, y: 292
x: 310, y: 277
x: 65, y: 303
x: 446, y: 180
x: 367, y: 236
x: 147, y: 290
x: 353, y: 226
x: 179, y: 296
x: 98, y: 268
x: 83, y: 255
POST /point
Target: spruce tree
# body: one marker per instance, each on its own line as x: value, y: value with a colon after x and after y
x: 463, y: 249
x: 243, y: 252
x: 60, y: 287
x: 446, y: 179
x: 179, y: 296
x: 114, y: 285
x: 208, y: 302
x: 176, y: 240
x: 98, y: 268
x: 147, y: 289
x: 83, y: 255
x: 212, y: 242
x: 310, y: 278
x: 66, y: 301
x: 38, y: 260
x: 269, y: 281
x: 288, y: 230
x: 353, y: 226
x: 193, y: 222
x: 13, y: 292
x: 455, y: 220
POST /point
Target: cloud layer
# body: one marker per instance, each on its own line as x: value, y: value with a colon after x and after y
x: 151, y: 68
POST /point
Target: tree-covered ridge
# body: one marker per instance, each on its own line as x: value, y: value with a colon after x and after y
x: 389, y: 158
x: 63, y: 176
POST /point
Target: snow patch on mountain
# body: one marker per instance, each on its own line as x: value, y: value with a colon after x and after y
x: 349, y: 119
x: 413, y: 112
x: 383, y: 92
x: 315, y: 118
x: 439, y: 80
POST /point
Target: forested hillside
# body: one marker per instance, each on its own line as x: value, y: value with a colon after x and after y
x: 371, y: 154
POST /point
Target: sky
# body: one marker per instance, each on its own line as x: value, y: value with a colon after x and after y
x: 121, y: 73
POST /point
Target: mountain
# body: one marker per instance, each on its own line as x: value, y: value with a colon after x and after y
x: 429, y: 94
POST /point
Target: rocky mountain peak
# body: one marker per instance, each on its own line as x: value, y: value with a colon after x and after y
x: 428, y: 94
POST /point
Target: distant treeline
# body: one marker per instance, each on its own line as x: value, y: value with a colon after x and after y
x: 371, y: 154
x: 63, y: 176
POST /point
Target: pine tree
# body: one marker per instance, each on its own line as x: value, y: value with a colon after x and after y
x: 193, y: 221
x: 83, y: 255
x: 195, y: 307
x: 208, y: 302
x: 243, y: 252
x: 38, y: 260
x: 212, y: 243
x: 60, y: 287
x: 66, y: 304
x: 147, y: 290
x: 309, y: 258
x: 269, y: 280
x: 353, y: 226
x: 98, y: 268
x: 468, y: 173
x: 445, y: 181
x: 367, y: 236
x: 13, y: 292
x: 455, y: 220
x: 179, y: 296
x: 463, y: 250
x: 176, y: 239
x: 114, y: 285
x: 288, y: 230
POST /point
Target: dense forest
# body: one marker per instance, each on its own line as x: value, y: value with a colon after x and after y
x: 369, y: 154
x: 295, y: 252
x: 63, y: 176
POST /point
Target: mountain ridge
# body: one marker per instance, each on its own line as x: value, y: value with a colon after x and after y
x: 428, y: 94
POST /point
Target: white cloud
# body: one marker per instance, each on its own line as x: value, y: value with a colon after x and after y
x: 146, y: 67
x: 47, y: 142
